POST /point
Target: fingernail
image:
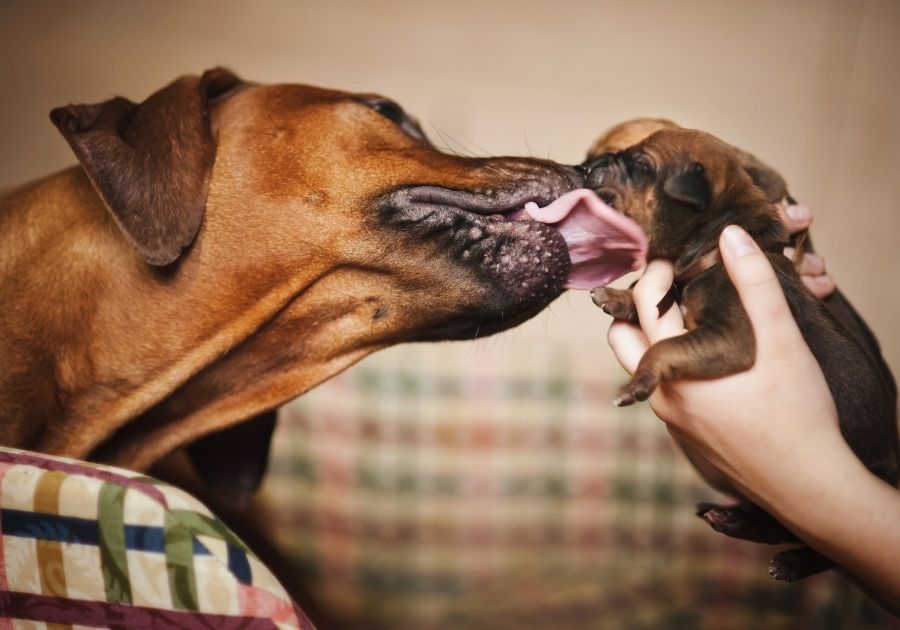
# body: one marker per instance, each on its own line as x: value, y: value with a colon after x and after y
x: 815, y: 260
x: 737, y: 242
x: 798, y: 213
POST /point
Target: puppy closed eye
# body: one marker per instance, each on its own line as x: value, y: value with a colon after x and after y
x: 640, y: 165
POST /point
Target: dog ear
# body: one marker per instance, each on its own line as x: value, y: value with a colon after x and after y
x: 764, y: 176
x: 150, y: 162
x: 690, y: 187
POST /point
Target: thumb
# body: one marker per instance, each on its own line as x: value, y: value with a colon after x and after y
x: 757, y: 285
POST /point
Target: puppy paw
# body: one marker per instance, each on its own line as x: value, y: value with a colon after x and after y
x: 796, y: 564
x: 638, y: 389
x: 719, y: 517
x: 745, y: 523
x: 731, y: 521
x: 615, y: 302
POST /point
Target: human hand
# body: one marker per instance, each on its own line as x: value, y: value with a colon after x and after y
x: 773, y: 429
x: 812, y: 267
x: 781, y: 406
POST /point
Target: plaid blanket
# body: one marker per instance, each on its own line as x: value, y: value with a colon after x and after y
x: 496, y: 486
x: 100, y: 547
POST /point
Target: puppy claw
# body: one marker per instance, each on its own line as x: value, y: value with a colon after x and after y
x: 600, y: 297
x: 703, y: 508
x: 795, y: 564
x: 641, y: 386
x: 615, y: 302
x: 624, y: 399
x: 721, y: 519
x: 638, y: 389
x: 782, y: 572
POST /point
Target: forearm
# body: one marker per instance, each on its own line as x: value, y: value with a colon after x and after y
x: 832, y: 502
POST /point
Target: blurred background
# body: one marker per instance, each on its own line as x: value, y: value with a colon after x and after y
x: 491, y: 484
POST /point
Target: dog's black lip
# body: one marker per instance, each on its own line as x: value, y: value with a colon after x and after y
x: 467, y: 328
x: 489, y: 201
x: 484, y: 232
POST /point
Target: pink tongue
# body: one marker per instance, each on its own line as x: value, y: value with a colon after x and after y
x: 603, y: 244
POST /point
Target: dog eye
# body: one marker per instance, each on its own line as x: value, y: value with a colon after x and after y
x: 389, y: 109
x: 393, y: 112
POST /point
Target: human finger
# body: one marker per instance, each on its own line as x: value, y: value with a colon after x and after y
x: 647, y: 294
x: 756, y: 284
x: 810, y: 265
x: 628, y: 343
x: 795, y: 217
x: 820, y: 286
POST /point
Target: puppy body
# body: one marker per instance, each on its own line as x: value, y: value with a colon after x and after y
x: 684, y: 187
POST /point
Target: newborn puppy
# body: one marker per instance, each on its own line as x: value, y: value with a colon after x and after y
x: 684, y: 187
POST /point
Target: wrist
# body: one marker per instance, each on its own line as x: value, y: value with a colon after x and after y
x: 802, y: 480
x: 842, y: 510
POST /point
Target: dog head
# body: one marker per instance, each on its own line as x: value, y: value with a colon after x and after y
x: 281, y: 232
x: 683, y: 187
x: 340, y: 180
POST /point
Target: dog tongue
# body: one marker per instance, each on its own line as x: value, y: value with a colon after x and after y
x: 603, y: 244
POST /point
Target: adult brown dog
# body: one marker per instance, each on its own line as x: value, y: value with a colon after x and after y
x: 684, y: 187
x: 225, y: 246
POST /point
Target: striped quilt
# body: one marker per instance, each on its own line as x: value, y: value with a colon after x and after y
x: 87, y: 546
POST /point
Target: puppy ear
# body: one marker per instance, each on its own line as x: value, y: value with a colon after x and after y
x: 690, y: 187
x: 150, y: 162
x: 764, y: 176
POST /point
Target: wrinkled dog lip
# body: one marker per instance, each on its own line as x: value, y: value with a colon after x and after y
x: 507, y: 203
x: 523, y: 263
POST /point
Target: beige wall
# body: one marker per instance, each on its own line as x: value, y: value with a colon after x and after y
x: 811, y: 86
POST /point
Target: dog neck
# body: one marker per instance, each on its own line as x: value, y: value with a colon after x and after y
x: 73, y: 387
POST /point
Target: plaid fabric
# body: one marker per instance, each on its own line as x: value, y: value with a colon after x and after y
x: 93, y: 546
x: 496, y: 486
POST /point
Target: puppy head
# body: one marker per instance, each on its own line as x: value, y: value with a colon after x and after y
x: 683, y: 187
x: 626, y: 134
x: 633, y: 131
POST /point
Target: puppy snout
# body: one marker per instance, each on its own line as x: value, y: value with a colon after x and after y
x: 579, y: 173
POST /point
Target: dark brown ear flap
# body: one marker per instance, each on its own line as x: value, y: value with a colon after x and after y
x: 690, y: 187
x: 764, y: 176
x: 150, y: 162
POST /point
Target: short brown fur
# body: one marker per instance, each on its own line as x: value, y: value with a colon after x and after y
x: 225, y: 246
